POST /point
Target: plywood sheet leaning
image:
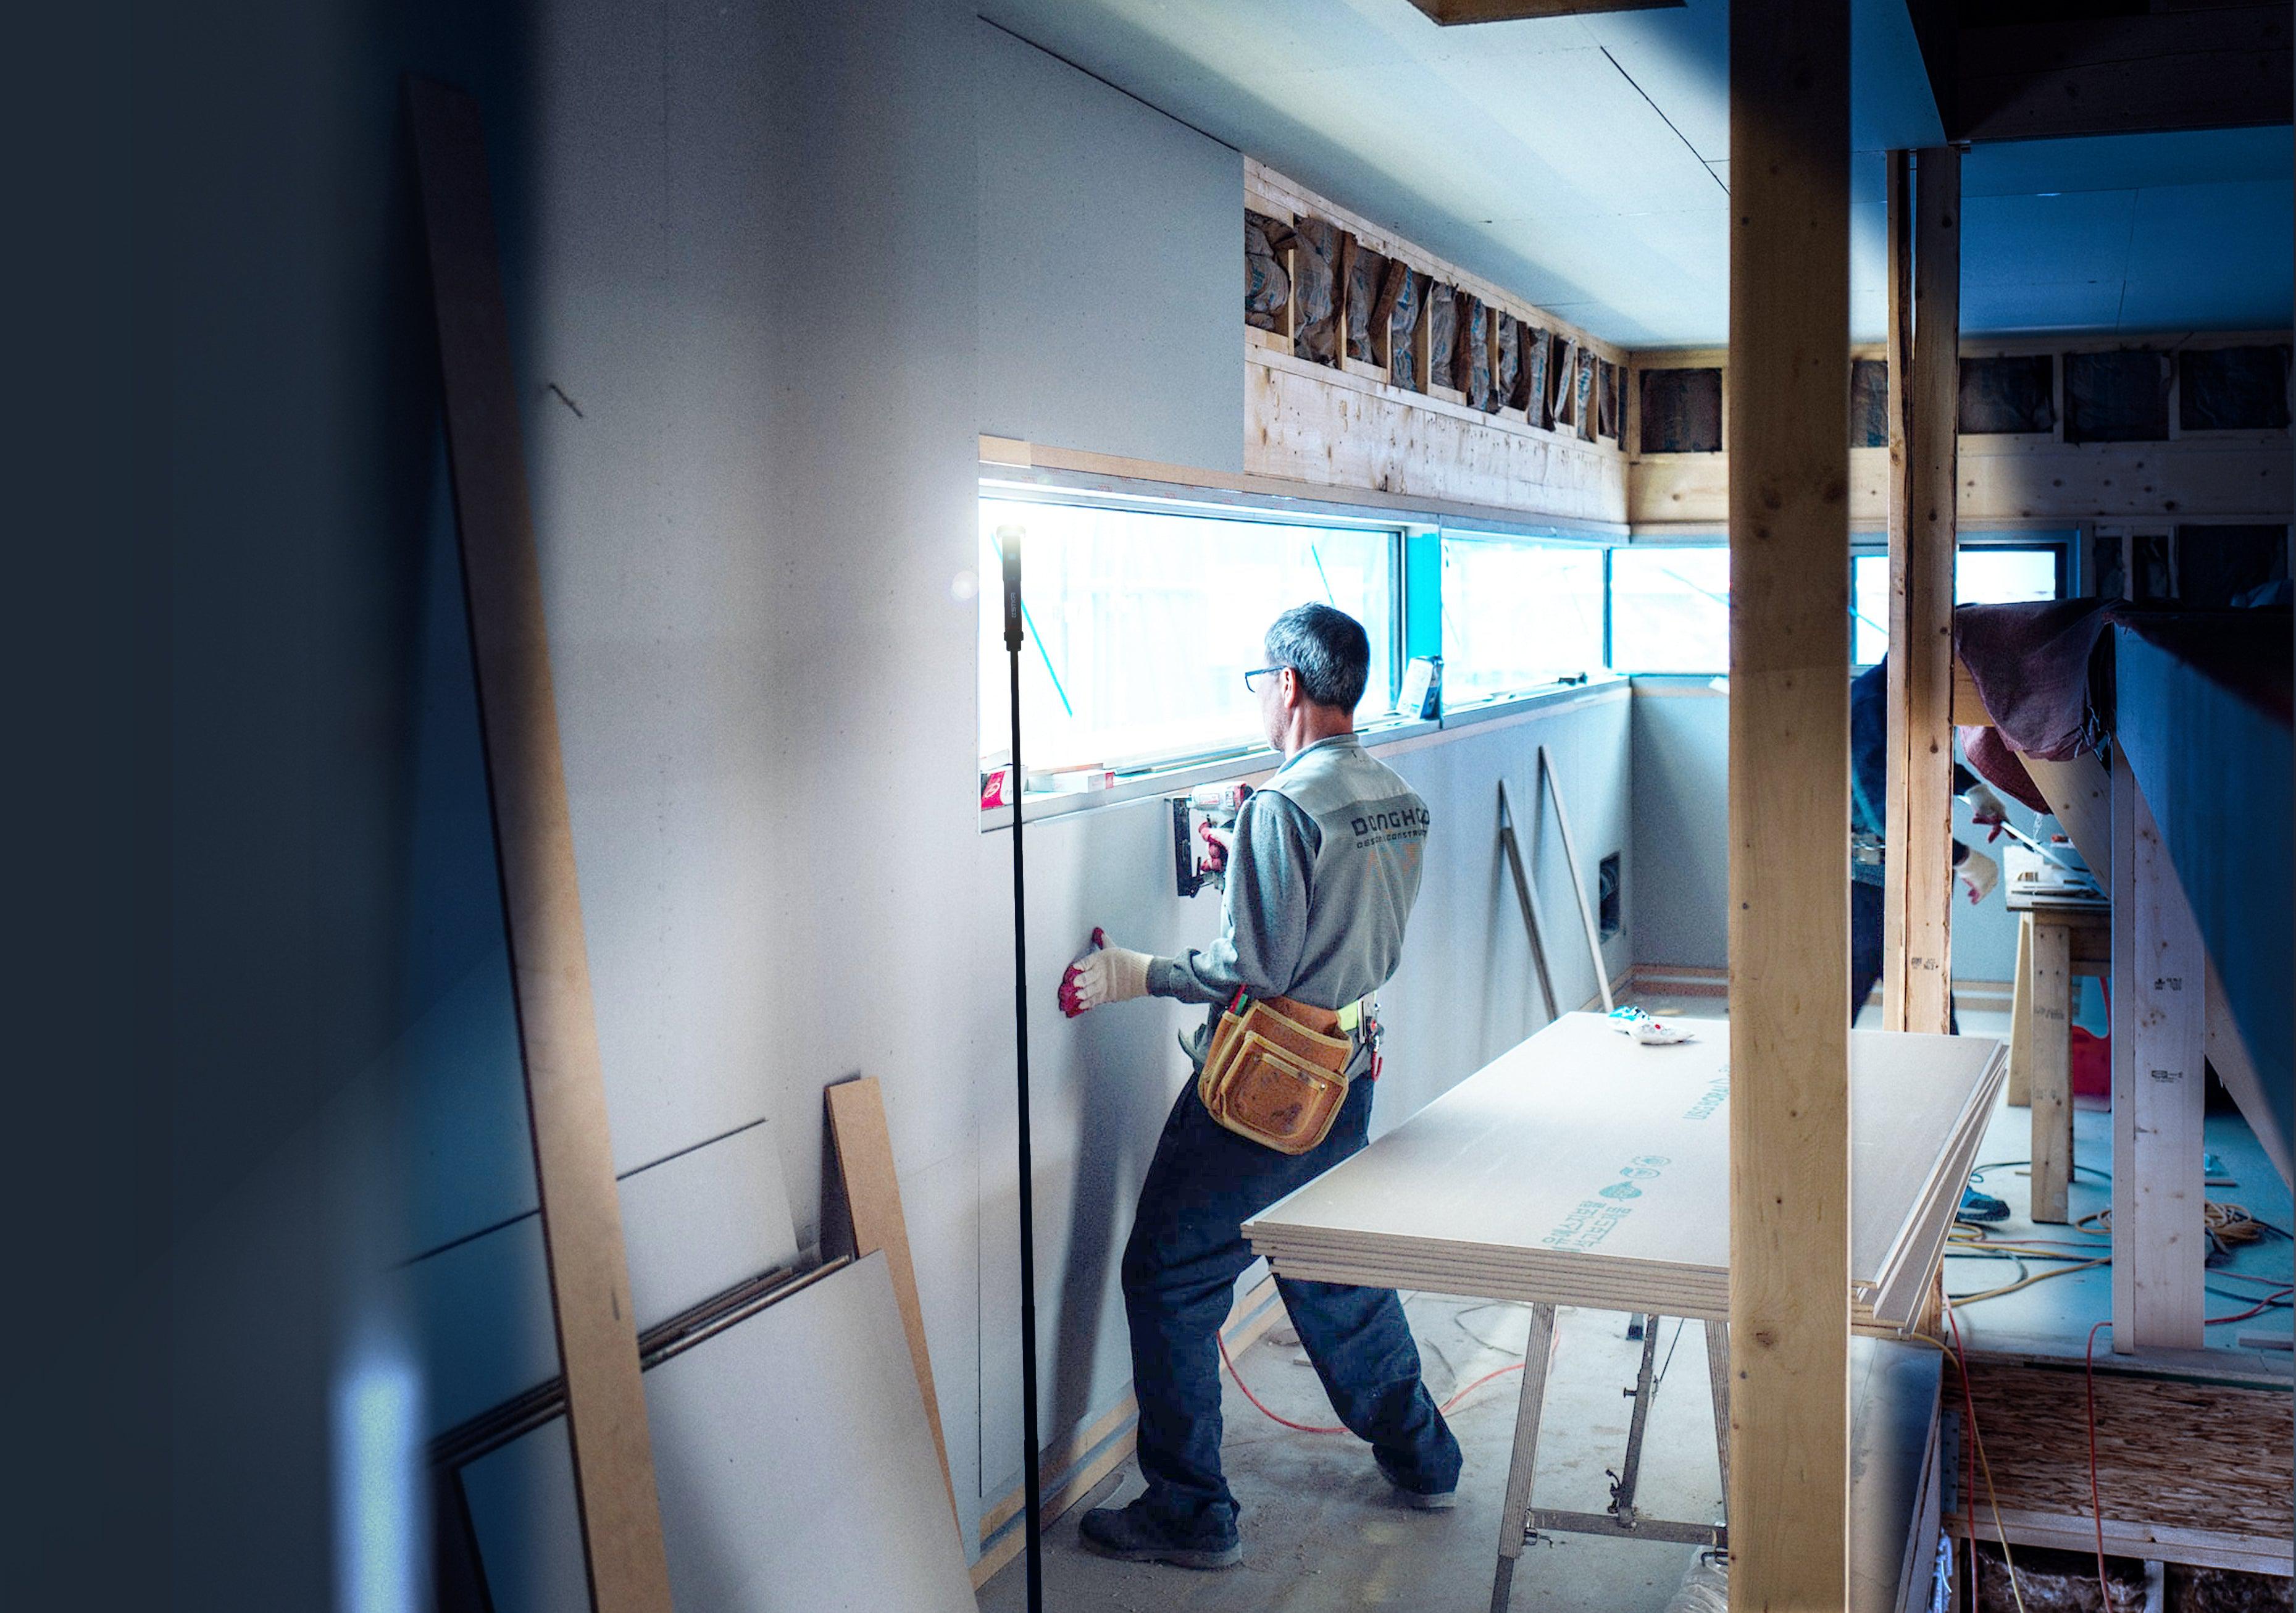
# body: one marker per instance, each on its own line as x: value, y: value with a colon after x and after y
x: 796, y: 1471
x: 2189, y: 1471
x: 872, y: 1198
x: 612, y: 1470
x: 1582, y: 1168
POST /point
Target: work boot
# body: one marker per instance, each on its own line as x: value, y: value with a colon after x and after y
x: 1981, y: 1207
x: 1424, y: 1501
x: 1134, y: 1534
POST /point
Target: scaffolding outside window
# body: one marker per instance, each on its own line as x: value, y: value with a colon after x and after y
x: 1141, y: 623
x: 1518, y: 614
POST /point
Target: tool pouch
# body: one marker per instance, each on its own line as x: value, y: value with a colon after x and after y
x: 1276, y: 1072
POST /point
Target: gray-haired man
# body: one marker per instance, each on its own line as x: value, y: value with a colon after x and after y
x: 1324, y: 870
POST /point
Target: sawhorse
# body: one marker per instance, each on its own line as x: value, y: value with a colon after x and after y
x: 1519, y: 1521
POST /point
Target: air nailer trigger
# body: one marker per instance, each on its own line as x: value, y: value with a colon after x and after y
x: 1197, y: 858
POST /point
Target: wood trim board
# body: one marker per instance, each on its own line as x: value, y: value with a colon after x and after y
x: 873, y: 1199
x: 595, y: 1320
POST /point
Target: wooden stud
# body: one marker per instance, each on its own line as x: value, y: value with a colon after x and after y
x: 2158, y: 1033
x: 1787, y: 405
x: 873, y: 1198
x: 1383, y: 314
x: 1898, y: 195
x: 1917, y: 959
x: 2049, y: 1001
x: 534, y: 843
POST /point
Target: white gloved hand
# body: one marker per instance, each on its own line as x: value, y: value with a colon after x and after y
x: 1103, y: 976
x: 1980, y: 873
x: 1985, y: 806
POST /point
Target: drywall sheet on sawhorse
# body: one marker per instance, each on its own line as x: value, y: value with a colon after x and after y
x: 796, y: 1472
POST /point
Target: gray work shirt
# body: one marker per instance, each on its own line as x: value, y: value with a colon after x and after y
x: 1320, y: 883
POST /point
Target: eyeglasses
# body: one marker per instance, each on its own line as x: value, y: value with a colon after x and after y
x: 1251, y: 678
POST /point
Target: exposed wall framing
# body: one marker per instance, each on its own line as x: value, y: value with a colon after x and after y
x: 1448, y: 388
x: 2212, y: 472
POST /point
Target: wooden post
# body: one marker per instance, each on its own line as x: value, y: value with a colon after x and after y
x: 1898, y: 198
x: 1917, y: 949
x: 1788, y: 408
x: 2050, y: 1017
x: 2159, y: 1026
x: 534, y: 843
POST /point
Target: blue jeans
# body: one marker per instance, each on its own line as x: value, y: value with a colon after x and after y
x: 1187, y: 1249
x: 1865, y: 951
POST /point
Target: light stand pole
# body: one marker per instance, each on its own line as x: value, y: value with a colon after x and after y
x: 1008, y: 540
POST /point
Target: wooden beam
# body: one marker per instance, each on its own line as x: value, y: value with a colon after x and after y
x: 1453, y: 13
x: 534, y: 845
x: 1788, y: 406
x: 1917, y: 969
x: 2224, y: 67
x: 2159, y: 1036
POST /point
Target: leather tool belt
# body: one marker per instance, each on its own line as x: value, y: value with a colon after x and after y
x: 1278, y: 1072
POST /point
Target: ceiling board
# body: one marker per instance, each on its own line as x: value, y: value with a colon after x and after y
x: 1582, y: 161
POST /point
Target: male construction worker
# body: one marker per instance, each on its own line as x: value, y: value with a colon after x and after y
x: 1869, y: 740
x: 1321, y: 876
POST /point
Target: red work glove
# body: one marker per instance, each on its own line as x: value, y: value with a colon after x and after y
x: 1103, y: 975
x: 1985, y: 806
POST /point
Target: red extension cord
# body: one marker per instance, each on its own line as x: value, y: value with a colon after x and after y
x: 1301, y: 1427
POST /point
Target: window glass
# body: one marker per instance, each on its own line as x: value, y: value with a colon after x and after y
x: 1142, y: 622
x: 1670, y: 610
x: 1982, y: 574
x: 1516, y: 615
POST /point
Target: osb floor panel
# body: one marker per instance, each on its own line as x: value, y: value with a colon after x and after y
x: 2170, y: 1454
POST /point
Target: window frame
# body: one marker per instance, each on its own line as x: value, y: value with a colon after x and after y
x: 1446, y: 533
x: 1182, y: 766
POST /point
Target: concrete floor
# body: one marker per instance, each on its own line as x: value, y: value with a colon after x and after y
x: 1322, y: 1530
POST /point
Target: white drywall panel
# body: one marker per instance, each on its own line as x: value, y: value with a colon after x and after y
x: 795, y: 1471
x: 1102, y: 1085
x: 1681, y: 822
x: 751, y: 278
x: 1112, y: 267
x: 693, y: 1225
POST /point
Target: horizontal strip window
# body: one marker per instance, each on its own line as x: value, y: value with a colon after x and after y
x: 1140, y: 621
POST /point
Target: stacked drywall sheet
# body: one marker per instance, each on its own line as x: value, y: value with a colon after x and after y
x: 1585, y: 1168
x: 796, y: 1472
x: 1894, y: 1493
x: 695, y: 1224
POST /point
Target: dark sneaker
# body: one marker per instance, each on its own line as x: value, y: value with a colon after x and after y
x: 1981, y: 1207
x: 1131, y: 1535
x: 1425, y: 1501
